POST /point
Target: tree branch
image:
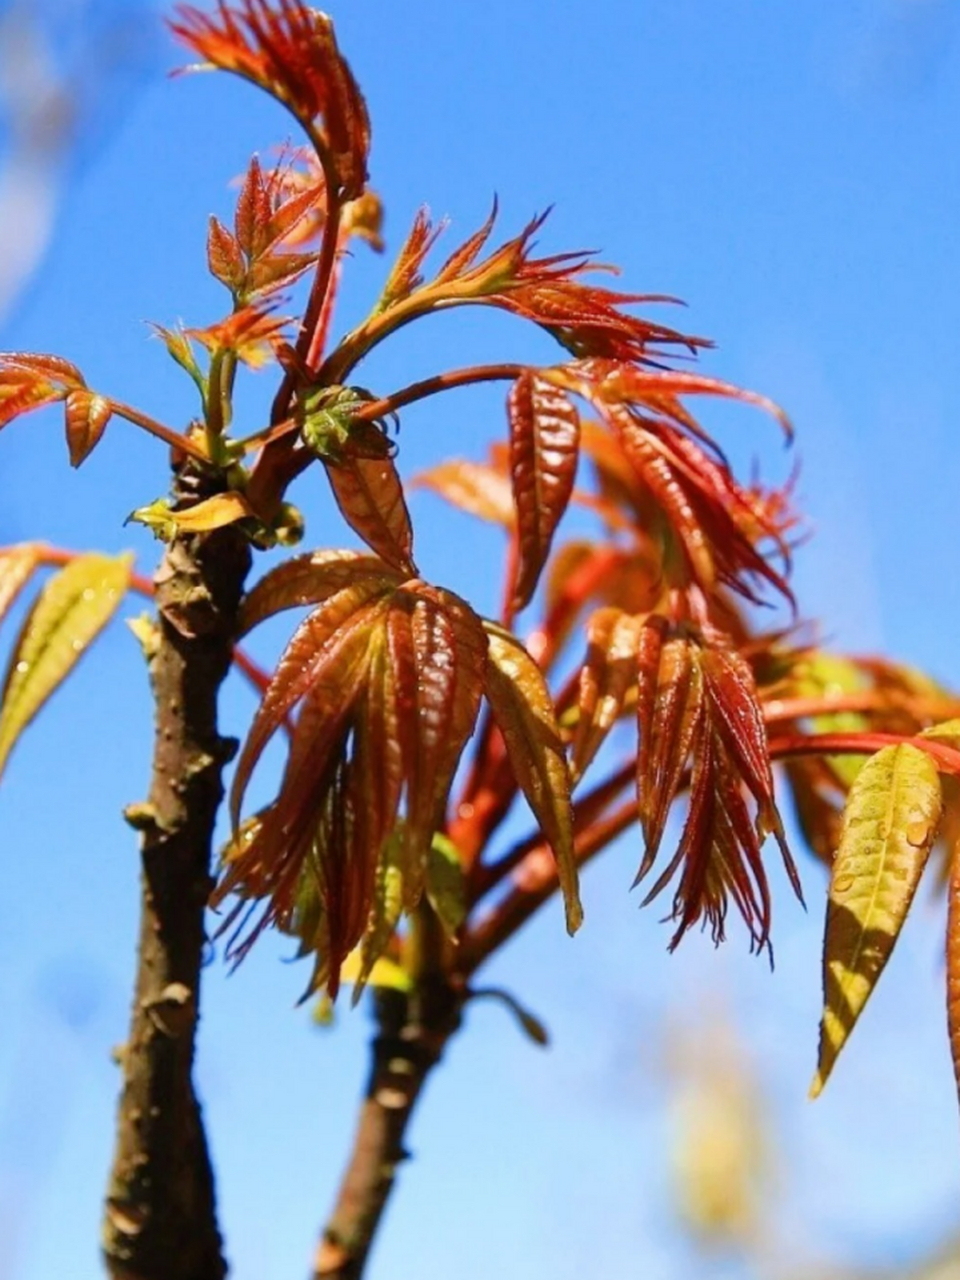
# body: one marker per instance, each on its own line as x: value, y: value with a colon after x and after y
x: 412, y: 1031
x: 160, y: 1221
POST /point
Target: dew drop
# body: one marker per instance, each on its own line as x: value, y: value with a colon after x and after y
x: 918, y: 833
x: 843, y: 884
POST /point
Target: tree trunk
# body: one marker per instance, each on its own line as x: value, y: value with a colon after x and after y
x: 412, y: 1031
x: 160, y: 1221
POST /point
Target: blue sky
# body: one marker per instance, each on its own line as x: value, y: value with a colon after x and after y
x: 792, y: 172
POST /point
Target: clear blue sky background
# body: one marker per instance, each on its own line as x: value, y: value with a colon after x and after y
x: 793, y: 172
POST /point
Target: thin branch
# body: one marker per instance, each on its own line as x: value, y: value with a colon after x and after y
x: 537, y: 882
x: 440, y: 382
x: 182, y: 443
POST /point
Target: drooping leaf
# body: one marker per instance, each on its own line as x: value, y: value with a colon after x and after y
x: 17, y: 565
x: 29, y: 381
x: 528, y: 1022
x: 87, y: 415
x: 370, y: 496
x: 523, y: 710
x: 71, y: 610
x: 889, y: 826
x: 310, y: 579
x: 608, y: 671
x: 474, y: 487
x: 544, y: 443
x: 438, y: 650
x: 323, y: 642
x: 385, y: 912
x: 446, y: 889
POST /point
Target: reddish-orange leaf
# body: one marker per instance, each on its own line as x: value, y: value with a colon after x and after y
x: 369, y: 493
x: 87, y: 415
x: 544, y: 443
x: 316, y: 644
x: 407, y: 272
x: 466, y: 254
x: 289, y: 50
x: 953, y: 962
x: 438, y: 651
x: 474, y: 487
x: 524, y: 713
x: 608, y: 671
x: 224, y: 259
x: 310, y: 579
x: 30, y: 381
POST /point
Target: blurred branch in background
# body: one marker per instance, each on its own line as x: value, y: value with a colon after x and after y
x: 68, y: 70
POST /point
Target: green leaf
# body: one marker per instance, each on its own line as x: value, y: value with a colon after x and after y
x: 385, y: 912
x: 446, y: 890
x: 71, y: 610
x: 889, y: 825
x: 523, y: 710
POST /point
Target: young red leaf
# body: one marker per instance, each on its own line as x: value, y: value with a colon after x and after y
x: 406, y: 274
x: 369, y: 493
x: 71, y: 610
x: 438, y: 652
x: 544, y: 443
x: 523, y: 710
x: 317, y: 643
x: 87, y: 415
x: 953, y: 961
x: 289, y: 50
x: 310, y: 579
x: 474, y: 487
x: 29, y: 381
x: 889, y: 827
x: 224, y: 259
x: 608, y: 671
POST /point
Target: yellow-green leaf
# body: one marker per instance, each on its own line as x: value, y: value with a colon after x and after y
x: 16, y: 567
x: 889, y: 825
x: 523, y: 710
x: 445, y: 887
x: 212, y: 513
x: 71, y: 610
x: 947, y: 732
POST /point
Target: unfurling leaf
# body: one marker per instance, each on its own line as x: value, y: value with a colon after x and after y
x: 889, y: 826
x: 446, y: 889
x: 87, y: 415
x: 290, y: 51
x: 168, y: 522
x: 523, y: 710
x: 71, y: 610
x: 544, y: 443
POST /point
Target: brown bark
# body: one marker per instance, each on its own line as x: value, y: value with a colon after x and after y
x: 412, y: 1031
x: 160, y: 1221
